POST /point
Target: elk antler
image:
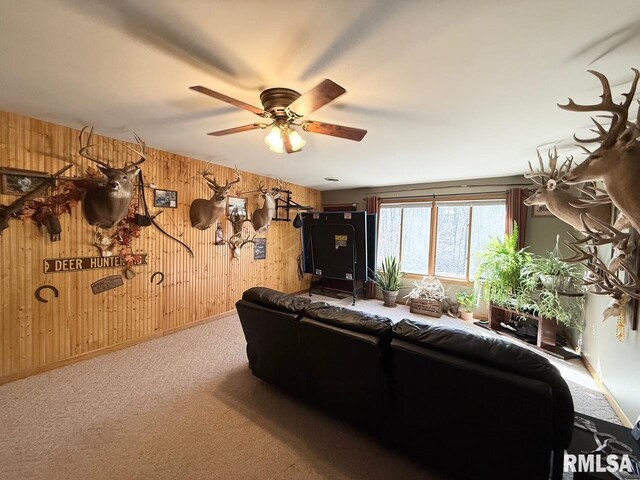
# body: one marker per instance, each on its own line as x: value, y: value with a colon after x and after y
x: 619, y: 111
x: 141, y: 152
x: 86, y: 146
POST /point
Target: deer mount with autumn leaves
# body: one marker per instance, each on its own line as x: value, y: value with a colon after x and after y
x: 582, y: 195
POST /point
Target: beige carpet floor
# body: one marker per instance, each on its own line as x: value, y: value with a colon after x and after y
x: 187, y: 407
x: 181, y: 407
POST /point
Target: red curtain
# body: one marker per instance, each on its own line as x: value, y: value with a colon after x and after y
x: 372, y: 206
x: 517, y: 212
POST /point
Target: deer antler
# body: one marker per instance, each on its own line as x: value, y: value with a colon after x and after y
x: 140, y: 152
x: 595, y: 196
x: 601, y: 131
x: 237, y: 179
x: 542, y: 177
x: 606, y: 235
x: 619, y: 111
x: 261, y: 188
x: 86, y: 146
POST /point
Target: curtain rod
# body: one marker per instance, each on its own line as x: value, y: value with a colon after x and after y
x: 455, y: 186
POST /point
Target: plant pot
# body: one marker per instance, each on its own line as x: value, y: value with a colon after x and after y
x: 464, y: 315
x: 555, y: 282
x: 389, y: 298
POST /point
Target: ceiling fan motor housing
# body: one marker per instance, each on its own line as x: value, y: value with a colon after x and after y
x: 276, y: 100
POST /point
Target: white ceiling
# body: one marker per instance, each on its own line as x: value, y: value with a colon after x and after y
x: 447, y: 89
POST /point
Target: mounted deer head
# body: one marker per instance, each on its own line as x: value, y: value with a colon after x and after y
x: 204, y: 213
x: 559, y: 199
x: 617, y: 160
x: 8, y: 211
x: 104, y: 206
x: 261, y: 218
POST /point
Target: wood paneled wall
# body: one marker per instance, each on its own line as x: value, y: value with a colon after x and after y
x: 35, y: 336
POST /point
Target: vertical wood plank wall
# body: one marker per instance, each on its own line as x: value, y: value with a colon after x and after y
x: 34, y: 335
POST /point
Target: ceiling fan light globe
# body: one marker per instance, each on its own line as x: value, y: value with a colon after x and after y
x: 296, y: 140
x: 274, y: 139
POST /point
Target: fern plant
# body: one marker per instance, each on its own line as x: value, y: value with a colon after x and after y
x: 499, y: 271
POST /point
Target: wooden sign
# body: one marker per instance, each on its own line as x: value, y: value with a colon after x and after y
x: 260, y: 250
x: 106, y: 283
x: 58, y: 265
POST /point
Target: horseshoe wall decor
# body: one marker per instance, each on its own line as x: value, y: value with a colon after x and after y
x: 43, y: 287
x: 161, y: 277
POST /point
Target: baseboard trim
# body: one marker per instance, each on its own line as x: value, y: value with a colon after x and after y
x: 607, y: 394
x: 111, y: 348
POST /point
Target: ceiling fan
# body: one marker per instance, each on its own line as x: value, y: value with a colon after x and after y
x: 284, y: 107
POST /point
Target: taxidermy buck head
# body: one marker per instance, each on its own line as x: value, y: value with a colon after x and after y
x: 104, y: 206
x: 8, y: 211
x: 261, y: 218
x: 617, y: 160
x: 204, y: 213
x: 558, y: 198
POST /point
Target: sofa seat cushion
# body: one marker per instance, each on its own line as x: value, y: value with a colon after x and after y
x: 496, y: 353
x: 270, y: 298
x: 349, y: 319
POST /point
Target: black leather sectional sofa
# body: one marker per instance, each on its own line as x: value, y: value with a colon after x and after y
x: 473, y: 406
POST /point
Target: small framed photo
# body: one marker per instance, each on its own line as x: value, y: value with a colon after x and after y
x: 260, y: 250
x: 541, y: 211
x: 165, y: 198
x: 19, y: 182
x: 237, y: 206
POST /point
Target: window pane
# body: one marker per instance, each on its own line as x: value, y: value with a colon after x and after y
x: 488, y: 222
x: 389, y: 233
x: 451, y: 248
x: 416, y: 227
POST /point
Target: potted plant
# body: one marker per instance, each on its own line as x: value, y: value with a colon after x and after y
x: 388, y: 279
x: 499, y: 271
x: 551, y: 273
x: 467, y: 303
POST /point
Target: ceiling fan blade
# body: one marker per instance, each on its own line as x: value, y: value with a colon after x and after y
x: 244, y: 128
x: 232, y: 101
x: 341, y: 131
x: 323, y: 93
x: 287, y: 143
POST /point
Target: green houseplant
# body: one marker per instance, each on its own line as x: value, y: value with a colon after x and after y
x: 499, y: 271
x: 388, y: 279
x: 467, y: 303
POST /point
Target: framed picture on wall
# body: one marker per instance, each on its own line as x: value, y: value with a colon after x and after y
x: 165, y: 198
x: 237, y: 205
x: 541, y: 211
x: 260, y: 250
x: 18, y: 182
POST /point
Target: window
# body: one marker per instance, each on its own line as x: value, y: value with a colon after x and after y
x: 439, y: 237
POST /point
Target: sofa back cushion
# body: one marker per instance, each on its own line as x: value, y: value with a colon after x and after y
x: 353, y: 320
x: 497, y: 353
x: 270, y: 298
x: 274, y: 349
x: 345, y: 372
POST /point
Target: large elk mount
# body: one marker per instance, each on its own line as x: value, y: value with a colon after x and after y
x: 615, y: 166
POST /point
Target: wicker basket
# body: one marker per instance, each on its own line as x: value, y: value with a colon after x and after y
x: 426, y: 307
